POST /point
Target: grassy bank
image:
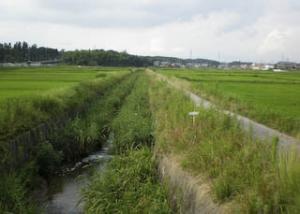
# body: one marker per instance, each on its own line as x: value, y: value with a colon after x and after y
x: 129, y: 183
x: 20, y: 114
x: 133, y: 125
x: 101, y: 99
x: 268, y: 97
x: 87, y: 132
x: 250, y: 174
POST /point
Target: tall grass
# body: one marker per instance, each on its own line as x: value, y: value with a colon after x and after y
x: 14, y: 194
x: 81, y: 135
x: 251, y: 173
x: 87, y: 132
x: 129, y: 184
x: 133, y: 125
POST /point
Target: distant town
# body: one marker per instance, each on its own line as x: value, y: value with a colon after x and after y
x: 22, y: 54
x: 277, y: 67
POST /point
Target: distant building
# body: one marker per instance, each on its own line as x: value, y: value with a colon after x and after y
x: 287, y: 66
x: 165, y: 64
x: 156, y: 63
x: 223, y: 65
x: 262, y: 66
x: 35, y: 64
x: 239, y: 65
x: 279, y: 70
x: 204, y: 65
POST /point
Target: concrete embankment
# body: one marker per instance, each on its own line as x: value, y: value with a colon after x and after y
x: 187, y: 194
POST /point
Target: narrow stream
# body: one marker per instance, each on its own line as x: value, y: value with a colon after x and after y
x: 64, y: 191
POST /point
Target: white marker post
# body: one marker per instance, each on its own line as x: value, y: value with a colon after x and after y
x: 194, y: 114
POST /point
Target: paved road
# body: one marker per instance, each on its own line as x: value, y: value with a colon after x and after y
x: 258, y: 130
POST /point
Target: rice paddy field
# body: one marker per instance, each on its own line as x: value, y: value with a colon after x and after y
x: 63, y: 114
x: 268, y: 97
x: 18, y: 82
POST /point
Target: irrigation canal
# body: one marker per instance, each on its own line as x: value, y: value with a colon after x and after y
x: 64, y: 191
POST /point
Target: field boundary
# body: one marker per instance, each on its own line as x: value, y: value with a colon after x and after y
x: 257, y: 130
x: 20, y: 147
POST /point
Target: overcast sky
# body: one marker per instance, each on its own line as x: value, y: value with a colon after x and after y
x: 253, y: 30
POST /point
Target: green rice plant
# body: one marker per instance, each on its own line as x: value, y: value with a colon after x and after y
x: 268, y: 97
x: 20, y: 114
x: 128, y: 185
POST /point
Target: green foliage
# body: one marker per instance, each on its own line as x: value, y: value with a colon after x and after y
x: 88, y: 131
x: 238, y: 167
x: 15, y: 190
x: 47, y: 159
x: 268, y: 97
x: 104, y: 58
x: 23, y: 113
x: 129, y: 185
x: 12, y: 194
x: 133, y: 125
x: 22, y: 52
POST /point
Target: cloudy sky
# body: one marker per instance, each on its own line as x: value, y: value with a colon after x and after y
x: 256, y: 30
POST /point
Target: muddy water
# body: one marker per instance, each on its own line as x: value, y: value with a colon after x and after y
x: 64, y: 191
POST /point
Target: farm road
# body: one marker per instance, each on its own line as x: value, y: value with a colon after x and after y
x: 257, y: 130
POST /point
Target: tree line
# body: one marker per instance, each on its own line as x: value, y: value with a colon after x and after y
x: 104, y: 58
x: 23, y: 52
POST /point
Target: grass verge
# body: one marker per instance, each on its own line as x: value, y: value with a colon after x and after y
x: 251, y: 174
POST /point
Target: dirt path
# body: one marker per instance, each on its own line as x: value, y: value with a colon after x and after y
x: 257, y: 130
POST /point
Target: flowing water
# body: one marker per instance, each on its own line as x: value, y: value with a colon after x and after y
x: 64, y: 191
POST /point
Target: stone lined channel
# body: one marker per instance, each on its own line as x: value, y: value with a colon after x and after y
x: 63, y: 195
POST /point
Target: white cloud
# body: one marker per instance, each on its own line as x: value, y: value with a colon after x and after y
x: 260, y: 30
